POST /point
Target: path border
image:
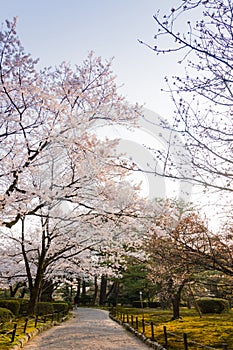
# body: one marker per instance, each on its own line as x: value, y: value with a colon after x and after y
x: 147, y: 341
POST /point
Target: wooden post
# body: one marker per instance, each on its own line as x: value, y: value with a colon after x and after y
x: 13, y: 333
x: 136, y: 323
x: 185, y: 341
x: 36, y: 320
x: 165, y: 335
x: 25, y: 325
x: 132, y: 320
x: 143, y: 326
x: 152, y: 331
x: 127, y: 318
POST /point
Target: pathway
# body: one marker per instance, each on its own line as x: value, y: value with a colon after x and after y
x: 88, y: 329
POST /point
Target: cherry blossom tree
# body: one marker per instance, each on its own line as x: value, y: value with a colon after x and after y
x: 198, y: 33
x: 60, y: 186
x: 170, y: 263
x: 182, y: 251
x: 44, y: 113
x: 54, y: 244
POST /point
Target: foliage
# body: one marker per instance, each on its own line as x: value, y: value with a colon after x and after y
x: 199, y: 35
x: 213, y: 305
x: 23, y: 306
x: 139, y: 304
x: 170, y: 264
x: 85, y: 299
x: 135, y: 280
x: 5, y: 315
x: 63, y: 192
x: 44, y: 308
x: 60, y: 306
x: 12, y: 305
x: 210, y: 330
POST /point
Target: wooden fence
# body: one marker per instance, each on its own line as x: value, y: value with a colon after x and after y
x: 148, y: 327
x: 8, y: 330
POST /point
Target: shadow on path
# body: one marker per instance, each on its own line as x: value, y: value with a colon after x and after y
x: 88, y: 329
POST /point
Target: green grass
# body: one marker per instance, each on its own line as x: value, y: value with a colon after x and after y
x: 5, y: 339
x: 210, y: 330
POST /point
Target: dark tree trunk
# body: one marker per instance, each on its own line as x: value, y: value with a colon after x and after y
x: 84, y: 291
x: 78, y: 292
x: 176, y: 306
x: 34, y: 296
x: 47, y: 291
x: 14, y: 289
x: 94, y: 300
x: 115, y: 292
x: 103, y: 290
x: 176, y: 298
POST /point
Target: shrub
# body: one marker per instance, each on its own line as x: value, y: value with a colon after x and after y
x: 154, y: 304
x: 5, y: 315
x: 23, y: 310
x: 213, y: 305
x: 139, y: 304
x: 60, y: 306
x: 44, y: 308
x: 85, y: 299
x: 12, y: 305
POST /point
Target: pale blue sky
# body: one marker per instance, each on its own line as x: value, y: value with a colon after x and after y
x: 58, y: 30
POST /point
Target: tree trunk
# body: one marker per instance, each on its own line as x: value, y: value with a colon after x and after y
x: 176, y: 298
x: 47, y: 291
x: 115, y: 293
x: 34, y: 296
x: 14, y: 289
x: 95, y: 291
x: 176, y: 306
x: 84, y: 291
x: 103, y: 290
x: 78, y: 292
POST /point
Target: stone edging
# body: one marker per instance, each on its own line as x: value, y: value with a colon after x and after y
x: 22, y: 341
x: 147, y: 341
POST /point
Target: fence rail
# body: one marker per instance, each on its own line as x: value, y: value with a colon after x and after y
x: 143, y: 327
x: 5, y: 332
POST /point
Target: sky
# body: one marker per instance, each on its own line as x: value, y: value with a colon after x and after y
x: 58, y: 30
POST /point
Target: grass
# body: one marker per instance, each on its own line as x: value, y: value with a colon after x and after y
x: 210, y: 330
x: 5, y: 339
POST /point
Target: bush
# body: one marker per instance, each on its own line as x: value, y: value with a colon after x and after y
x: 44, y: 308
x: 85, y: 299
x: 139, y: 304
x: 12, y: 305
x: 5, y: 315
x: 23, y: 310
x: 60, y: 306
x: 154, y: 304
x: 213, y: 305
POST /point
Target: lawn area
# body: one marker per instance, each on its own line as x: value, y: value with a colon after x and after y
x: 5, y: 337
x: 210, y: 330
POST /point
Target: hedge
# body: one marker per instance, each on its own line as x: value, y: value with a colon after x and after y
x: 139, y: 304
x: 5, y: 315
x: 12, y: 305
x: 24, y: 303
x: 213, y: 305
x: 154, y: 304
x: 60, y: 306
x: 44, y: 308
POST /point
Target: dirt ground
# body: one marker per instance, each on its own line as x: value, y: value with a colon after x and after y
x: 88, y: 329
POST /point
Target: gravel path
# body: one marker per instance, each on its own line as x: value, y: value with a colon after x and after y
x: 88, y: 329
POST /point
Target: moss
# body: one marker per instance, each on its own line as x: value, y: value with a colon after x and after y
x: 211, y: 330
